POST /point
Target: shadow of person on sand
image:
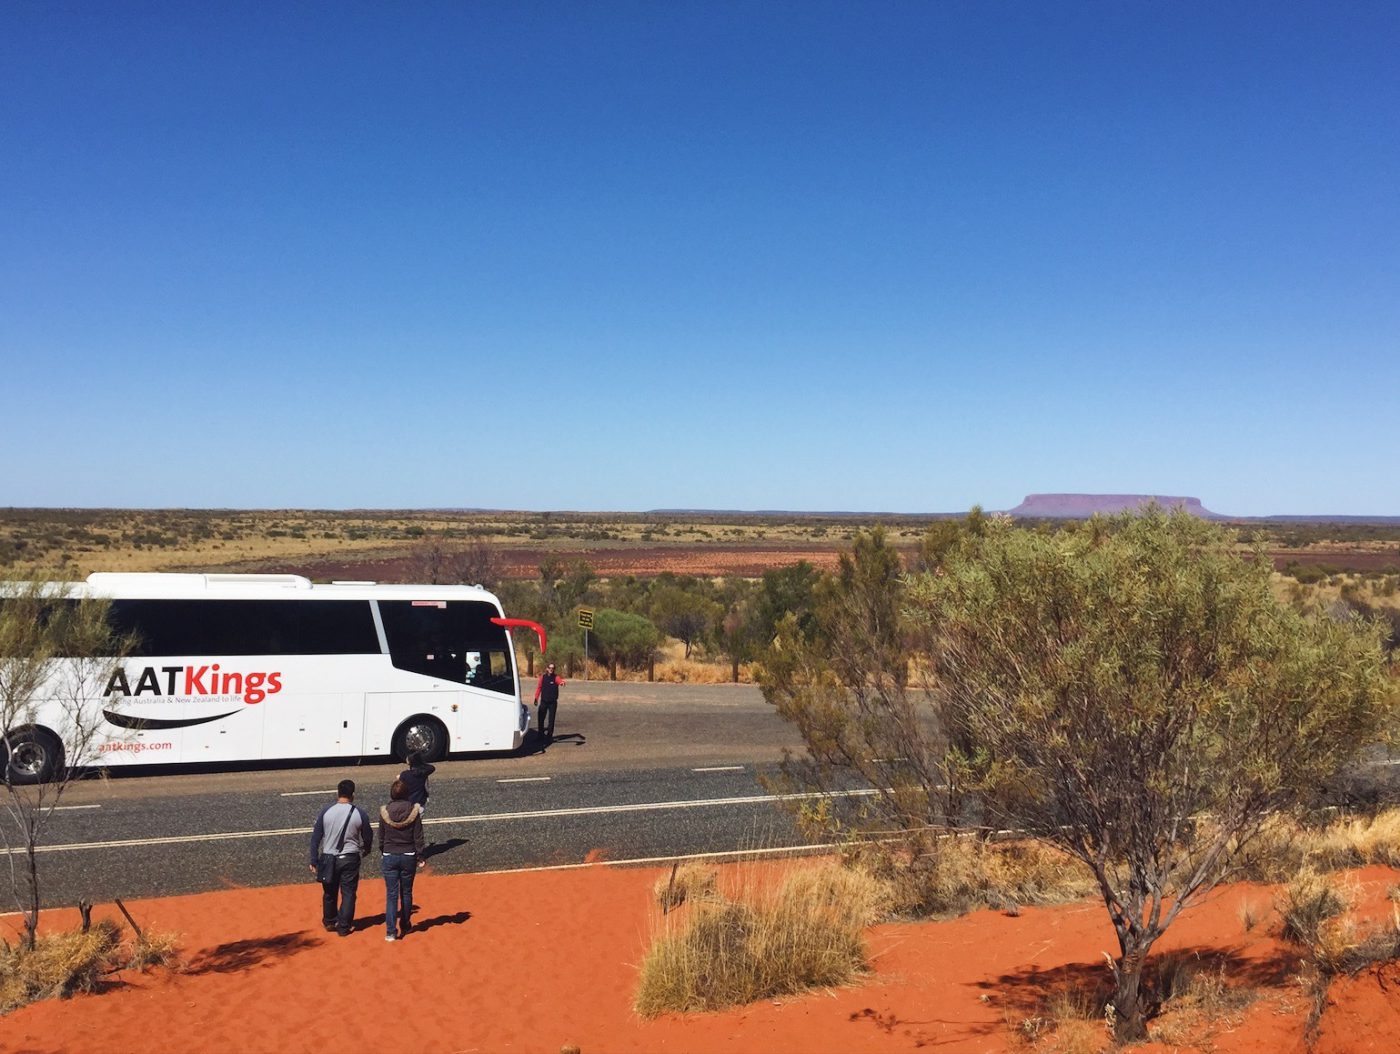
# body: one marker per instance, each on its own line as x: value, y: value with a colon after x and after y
x: 438, y: 848
x: 240, y: 955
x: 575, y: 739
x: 455, y: 919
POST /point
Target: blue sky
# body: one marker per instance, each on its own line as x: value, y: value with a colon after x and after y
x: 866, y: 256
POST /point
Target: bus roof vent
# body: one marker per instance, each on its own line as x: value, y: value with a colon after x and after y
x: 285, y: 581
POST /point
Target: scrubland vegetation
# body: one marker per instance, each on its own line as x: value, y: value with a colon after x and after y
x: 1138, y: 709
x: 706, y: 623
x: 1129, y: 690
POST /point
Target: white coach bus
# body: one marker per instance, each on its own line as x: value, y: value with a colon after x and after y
x: 230, y: 668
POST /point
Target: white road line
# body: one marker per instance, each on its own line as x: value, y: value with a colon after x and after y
x: 595, y: 810
x: 526, y: 779
x: 721, y: 768
x: 298, y: 794
x: 61, y: 808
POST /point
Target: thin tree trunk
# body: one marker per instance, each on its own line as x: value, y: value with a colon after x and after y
x: 735, y: 668
x: 31, y: 911
x: 1130, y: 1018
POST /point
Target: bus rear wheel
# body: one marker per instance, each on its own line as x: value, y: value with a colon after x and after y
x: 424, y: 736
x: 34, y: 756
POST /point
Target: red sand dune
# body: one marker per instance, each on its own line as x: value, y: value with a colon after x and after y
x: 531, y: 961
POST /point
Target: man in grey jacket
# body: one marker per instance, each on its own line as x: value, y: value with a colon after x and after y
x: 343, y: 836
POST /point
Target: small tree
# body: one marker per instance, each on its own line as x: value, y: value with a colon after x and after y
x: 845, y: 687
x: 784, y: 591
x: 438, y: 561
x: 1136, y: 695
x: 623, y: 639
x: 735, y: 631
x: 62, y: 651
x: 565, y: 585
x: 682, y: 614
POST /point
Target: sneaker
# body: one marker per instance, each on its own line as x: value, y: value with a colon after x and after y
x: 390, y: 937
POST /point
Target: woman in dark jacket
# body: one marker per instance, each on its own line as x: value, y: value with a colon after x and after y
x: 401, y: 842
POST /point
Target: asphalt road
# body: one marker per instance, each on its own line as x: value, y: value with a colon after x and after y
x: 636, y: 771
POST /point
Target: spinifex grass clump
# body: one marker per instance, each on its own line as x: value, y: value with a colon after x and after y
x: 58, y: 965
x: 62, y: 964
x: 769, y: 939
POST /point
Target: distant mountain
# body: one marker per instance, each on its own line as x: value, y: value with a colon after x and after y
x: 1082, y: 506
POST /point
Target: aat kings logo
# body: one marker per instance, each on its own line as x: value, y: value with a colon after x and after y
x: 196, y: 683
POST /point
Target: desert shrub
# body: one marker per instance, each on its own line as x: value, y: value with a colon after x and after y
x: 769, y: 940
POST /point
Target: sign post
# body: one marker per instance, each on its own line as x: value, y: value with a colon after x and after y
x: 585, y: 621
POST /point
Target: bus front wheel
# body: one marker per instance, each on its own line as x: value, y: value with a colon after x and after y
x: 33, y: 756
x: 424, y: 736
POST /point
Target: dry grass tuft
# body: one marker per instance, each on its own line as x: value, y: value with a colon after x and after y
x: 956, y: 875
x: 1284, y: 846
x: 58, y: 965
x: 771, y: 939
x: 687, y: 882
x: 154, y: 949
x: 1307, y: 904
x: 1249, y: 915
x: 62, y: 964
x: 1357, y: 841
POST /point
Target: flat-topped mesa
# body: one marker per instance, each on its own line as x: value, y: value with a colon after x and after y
x: 1082, y: 506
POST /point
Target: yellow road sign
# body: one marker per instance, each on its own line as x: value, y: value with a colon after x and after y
x: 585, y: 618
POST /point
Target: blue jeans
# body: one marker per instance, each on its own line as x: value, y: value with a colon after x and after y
x: 399, y: 869
x: 342, y: 884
